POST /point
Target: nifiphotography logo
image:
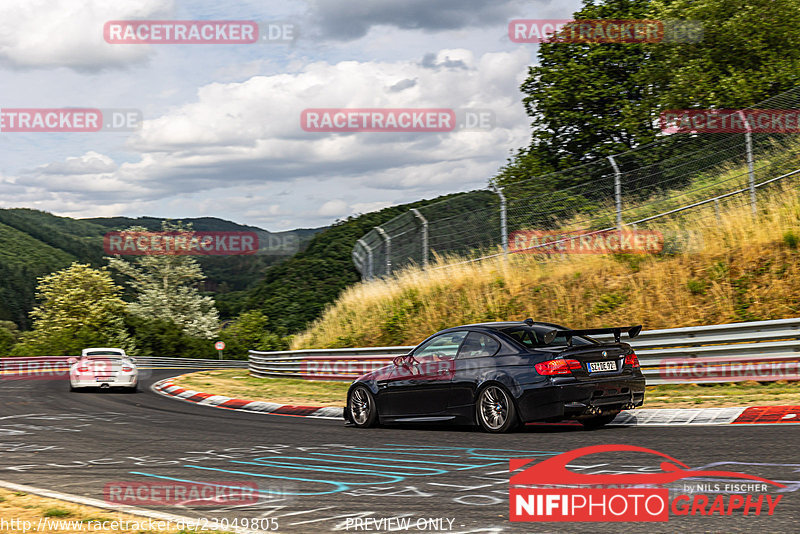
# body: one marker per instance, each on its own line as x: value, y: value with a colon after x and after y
x: 549, y: 491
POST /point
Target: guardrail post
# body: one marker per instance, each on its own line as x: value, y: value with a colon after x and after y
x: 503, y: 218
x: 388, y: 240
x: 617, y: 191
x: 424, y: 222
x: 751, y: 173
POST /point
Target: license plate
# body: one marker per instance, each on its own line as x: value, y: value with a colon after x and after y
x: 602, y: 366
x: 104, y: 379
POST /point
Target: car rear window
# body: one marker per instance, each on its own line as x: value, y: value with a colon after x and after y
x: 104, y: 353
x: 533, y: 336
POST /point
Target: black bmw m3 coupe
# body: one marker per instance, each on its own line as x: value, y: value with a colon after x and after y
x: 501, y: 375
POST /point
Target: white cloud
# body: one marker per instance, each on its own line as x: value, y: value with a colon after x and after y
x: 236, y: 144
x: 69, y: 33
x: 333, y: 208
x: 89, y: 163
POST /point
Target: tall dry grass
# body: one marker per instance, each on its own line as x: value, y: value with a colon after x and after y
x: 730, y: 268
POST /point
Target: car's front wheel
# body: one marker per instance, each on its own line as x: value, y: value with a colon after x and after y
x: 495, y: 410
x: 361, y: 404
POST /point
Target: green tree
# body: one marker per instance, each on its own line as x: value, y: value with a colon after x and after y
x: 588, y: 101
x: 750, y: 51
x: 162, y: 338
x: 78, y: 307
x: 166, y: 289
x: 9, y: 334
x: 250, y: 332
x: 585, y: 100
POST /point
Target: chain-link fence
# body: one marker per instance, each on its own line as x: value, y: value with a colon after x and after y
x: 678, y: 172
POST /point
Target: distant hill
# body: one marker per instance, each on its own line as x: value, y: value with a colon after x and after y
x: 291, y: 291
x: 35, y: 243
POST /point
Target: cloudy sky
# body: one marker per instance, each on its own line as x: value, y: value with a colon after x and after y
x: 221, y: 134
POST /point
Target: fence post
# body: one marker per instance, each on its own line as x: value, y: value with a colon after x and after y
x: 503, y: 218
x: 369, y: 258
x: 751, y: 173
x: 424, y: 222
x: 388, y: 249
x: 617, y: 191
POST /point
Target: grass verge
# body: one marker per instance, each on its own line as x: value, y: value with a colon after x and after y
x: 235, y: 383
x: 23, y: 512
x: 238, y: 384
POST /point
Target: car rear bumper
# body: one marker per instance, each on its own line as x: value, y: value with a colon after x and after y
x: 121, y: 382
x: 574, y: 399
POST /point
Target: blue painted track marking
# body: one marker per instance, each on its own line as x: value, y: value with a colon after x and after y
x: 460, y: 466
x: 328, y: 468
x: 390, y: 470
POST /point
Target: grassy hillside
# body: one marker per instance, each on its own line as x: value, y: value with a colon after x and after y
x: 736, y: 269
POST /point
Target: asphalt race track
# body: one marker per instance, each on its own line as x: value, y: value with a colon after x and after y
x: 319, y: 475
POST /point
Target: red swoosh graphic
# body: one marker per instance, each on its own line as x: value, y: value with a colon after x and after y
x: 553, y: 471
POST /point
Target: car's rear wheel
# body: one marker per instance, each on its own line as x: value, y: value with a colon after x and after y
x: 361, y: 404
x: 495, y: 410
x: 598, y: 421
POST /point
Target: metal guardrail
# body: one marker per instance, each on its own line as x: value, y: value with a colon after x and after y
x: 322, y: 364
x: 765, y: 351
x: 157, y: 363
x: 142, y: 362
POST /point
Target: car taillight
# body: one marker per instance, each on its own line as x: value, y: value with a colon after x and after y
x: 557, y: 367
x: 83, y: 368
x: 127, y: 368
x: 632, y: 360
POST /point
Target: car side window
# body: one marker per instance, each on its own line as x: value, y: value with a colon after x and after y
x: 442, y: 346
x: 477, y: 345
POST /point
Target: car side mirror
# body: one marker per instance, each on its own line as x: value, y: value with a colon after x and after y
x: 398, y: 360
x: 72, y: 360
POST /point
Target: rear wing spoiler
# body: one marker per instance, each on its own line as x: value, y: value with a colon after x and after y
x: 632, y: 332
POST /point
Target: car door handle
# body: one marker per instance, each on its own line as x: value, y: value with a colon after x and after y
x: 382, y: 383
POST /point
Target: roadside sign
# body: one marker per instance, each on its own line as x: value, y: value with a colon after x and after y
x: 219, y: 345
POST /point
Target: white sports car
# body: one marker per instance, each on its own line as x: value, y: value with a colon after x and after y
x: 104, y: 368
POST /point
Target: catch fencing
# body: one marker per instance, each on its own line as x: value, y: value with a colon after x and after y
x: 642, y: 188
x: 765, y: 351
